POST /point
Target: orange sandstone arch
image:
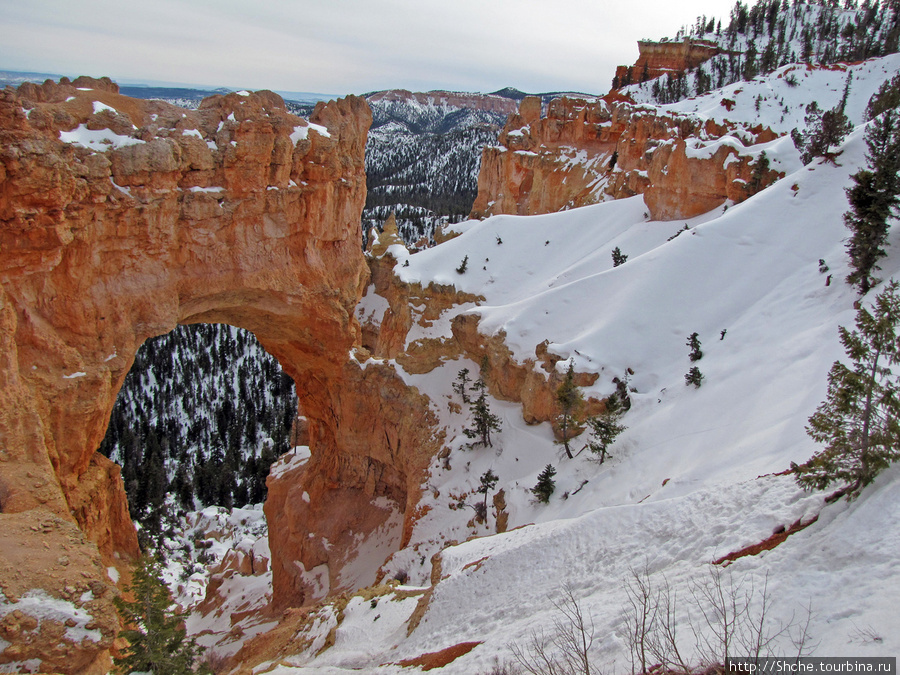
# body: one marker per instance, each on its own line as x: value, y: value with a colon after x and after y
x: 239, y: 213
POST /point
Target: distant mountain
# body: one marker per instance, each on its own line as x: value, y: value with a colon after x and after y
x: 14, y: 77
x: 423, y: 156
x: 546, y: 97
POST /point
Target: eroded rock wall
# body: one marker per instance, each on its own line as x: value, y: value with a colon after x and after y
x: 372, y: 472
x: 665, y: 58
x: 584, y: 152
x: 121, y: 218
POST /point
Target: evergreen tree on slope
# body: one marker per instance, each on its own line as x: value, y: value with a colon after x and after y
x: 859, y: 422
x: 873, y: 200
x: 570, y: 400
x: 156, y: 636
x: 483, y: 420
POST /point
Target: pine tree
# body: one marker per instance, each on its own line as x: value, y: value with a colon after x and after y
x: 694, y: 377
x: 758, y: 176
x: 487, y: 483
x: 886, y: 98
x: 569, y: 398
x: 461, y: 386
x: 157, y: 640
x: 483, y: 420
x: 545, y: 484
x: 183, y: 488
x: 859, y: 421
x: 824, y: 130
x: 873, y: 198
x: 618, y: 258
x: 693, y: 342
x: 605, y: 427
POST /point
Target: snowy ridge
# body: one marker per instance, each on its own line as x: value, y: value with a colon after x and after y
x: 784, y: 94
x: 770, y: 36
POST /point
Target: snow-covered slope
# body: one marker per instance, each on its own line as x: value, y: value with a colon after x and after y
x: 779, y: 100
x: 698, y: 473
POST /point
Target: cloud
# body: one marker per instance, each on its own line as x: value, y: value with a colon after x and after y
x: 342, y: 46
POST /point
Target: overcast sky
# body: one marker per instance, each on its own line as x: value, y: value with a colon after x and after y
x: 342, y: 46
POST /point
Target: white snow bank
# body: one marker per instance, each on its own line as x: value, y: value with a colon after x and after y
x: 39, y: 604
x: 100, y: 107
x: 301, y: 132
x: 97, y: 139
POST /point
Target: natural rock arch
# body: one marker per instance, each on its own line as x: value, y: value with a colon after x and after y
x: 237, y: 213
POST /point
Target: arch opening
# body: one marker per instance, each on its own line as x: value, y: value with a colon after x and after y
x: 201, y: 416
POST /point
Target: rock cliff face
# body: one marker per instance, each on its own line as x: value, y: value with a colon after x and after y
x: 120, y: 218
x: 364, y: 475
x: 583, y: 152
x: 532, y: 384
x: 661, y: 58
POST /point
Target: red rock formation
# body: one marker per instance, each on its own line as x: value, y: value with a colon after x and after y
x: 316, y: 512
x: 661, y: 58
x: 239, y: 213
x: 564, y: 160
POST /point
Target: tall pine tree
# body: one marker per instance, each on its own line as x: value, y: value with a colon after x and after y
x: 483, y: 420
x: 873, y: 200
x: 859, y: 421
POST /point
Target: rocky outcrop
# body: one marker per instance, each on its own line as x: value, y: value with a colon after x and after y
x: 55, y: 597
x: 370, y: 475
x: 583, y: 152
x: 665, y: 58
x: 532, y: 384
x: 121, y: 218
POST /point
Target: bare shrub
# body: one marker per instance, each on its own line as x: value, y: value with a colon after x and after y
x: 737, y: 617
x: 214, y: 662
x: 865, y: 634
x: 502, y: 668
x: 565, y: 650
x: 640, y: 617
x: 727, y: 617
x: 663, y: 641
